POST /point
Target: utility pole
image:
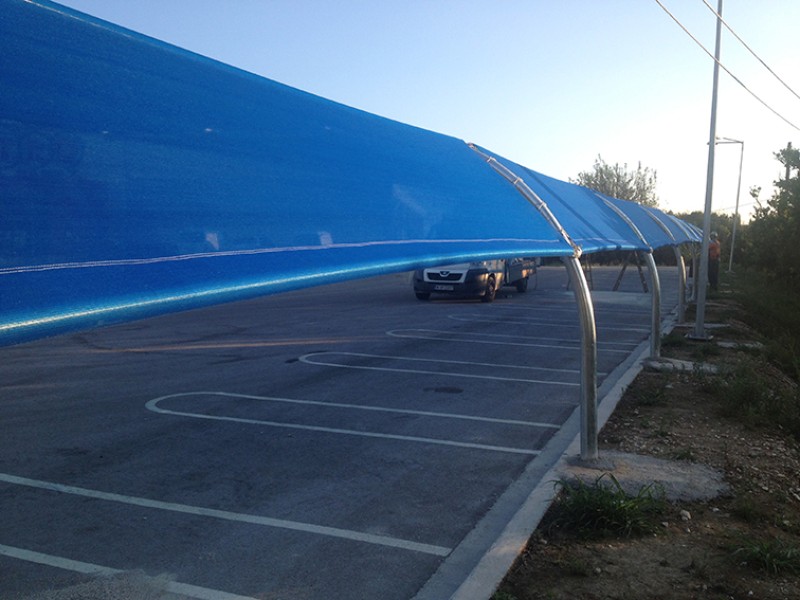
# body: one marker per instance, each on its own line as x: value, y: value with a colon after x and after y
x: 701, y: 282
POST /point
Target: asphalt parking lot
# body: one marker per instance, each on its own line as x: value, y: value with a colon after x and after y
x: 340, y: 442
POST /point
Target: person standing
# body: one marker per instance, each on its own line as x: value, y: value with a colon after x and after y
x: 714, y: 252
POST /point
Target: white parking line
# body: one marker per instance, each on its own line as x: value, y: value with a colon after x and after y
x: 499, y: 339
x: 571, y: 310
x: 477, y: 318
x: 368, y: 407
x: 153, y: 406
x: 347, y: 534
x: 76, y: 566
x: 517, y: 319
x: 306, y: 358
x: 453, y: 362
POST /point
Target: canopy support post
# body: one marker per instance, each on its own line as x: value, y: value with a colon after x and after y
x: 583, y: 297
x: 638, y: 258
x: 585, y: 311
x: 655, y: 303
x: 621, y: 273
x: 681, y: 269
x: 681, y: 284
x: 655, y: 325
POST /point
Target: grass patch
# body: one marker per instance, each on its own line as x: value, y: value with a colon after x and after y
x: 650, y: 389
x: 705, y: 382
x: 604, y: 509
x: 702, y: 351
x: 674, y: 339
x: 503, y: 596
x: 747, y: 509
x: 774, y: 310
x: 750, y: 396
x: 775, y: 557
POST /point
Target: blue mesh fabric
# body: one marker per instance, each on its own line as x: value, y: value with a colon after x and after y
x: 138, y: 179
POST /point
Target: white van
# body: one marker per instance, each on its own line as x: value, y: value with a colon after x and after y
x: 481, y: 278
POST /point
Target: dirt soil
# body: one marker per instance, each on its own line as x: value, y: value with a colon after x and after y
x: 677, y: 416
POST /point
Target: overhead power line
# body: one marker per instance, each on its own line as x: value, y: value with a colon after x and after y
x: 724, y: 68
x: 749, y: 49
x: 742, y: 205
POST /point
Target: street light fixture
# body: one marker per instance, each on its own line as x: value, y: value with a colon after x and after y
x: 726, y: 140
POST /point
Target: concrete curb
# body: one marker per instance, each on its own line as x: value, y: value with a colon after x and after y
x: 496, y: 562
x: 671, y: 365
x: 632, y: 471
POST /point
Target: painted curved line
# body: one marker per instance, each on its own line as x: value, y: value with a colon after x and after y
x: 517, y: 320
x: 307, y: 358
x: 153, y: 405
x: 452, y: 362
x: 558, y: 344
x: 540, y: 307
x: 476, y: 318
x: 372, y: 408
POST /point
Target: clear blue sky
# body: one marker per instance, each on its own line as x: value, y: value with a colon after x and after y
x: 548, y: 84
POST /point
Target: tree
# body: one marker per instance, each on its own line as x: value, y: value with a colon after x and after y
x: 620, y: 182
x: 774, y: 228
x: 721, y: 223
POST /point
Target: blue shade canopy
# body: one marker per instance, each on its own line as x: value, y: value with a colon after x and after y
x: 582, y: 212
x: 138, y: 178
x: 590, y: 222
x: 688, y: 233
x: 646, y: 222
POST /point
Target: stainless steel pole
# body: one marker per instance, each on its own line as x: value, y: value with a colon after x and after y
x: 655, y: 304
x: 681, y: 284
x: 580, y: 287
x: 655, y: 284
x: 589, y: 428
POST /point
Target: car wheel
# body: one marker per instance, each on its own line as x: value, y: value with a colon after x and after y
x: 522, y: 285
x: 491, y: 290
x: 423, y: 296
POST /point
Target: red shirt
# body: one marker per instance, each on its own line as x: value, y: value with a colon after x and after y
x: 714, y: 250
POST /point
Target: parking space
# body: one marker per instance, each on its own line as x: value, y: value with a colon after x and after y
x: 339, y: 442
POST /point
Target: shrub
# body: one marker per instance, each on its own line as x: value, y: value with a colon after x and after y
x: 604, y: 509
x: 752, y: 397
x: 774, y: 556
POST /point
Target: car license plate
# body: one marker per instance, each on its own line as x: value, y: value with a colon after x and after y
x: 443, y: 288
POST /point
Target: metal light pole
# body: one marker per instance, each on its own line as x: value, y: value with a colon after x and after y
x: 725, y: 140
x: 701, y: 278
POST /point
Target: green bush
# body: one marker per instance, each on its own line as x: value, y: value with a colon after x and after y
x: 774, y: 311
x: 772, y: 231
